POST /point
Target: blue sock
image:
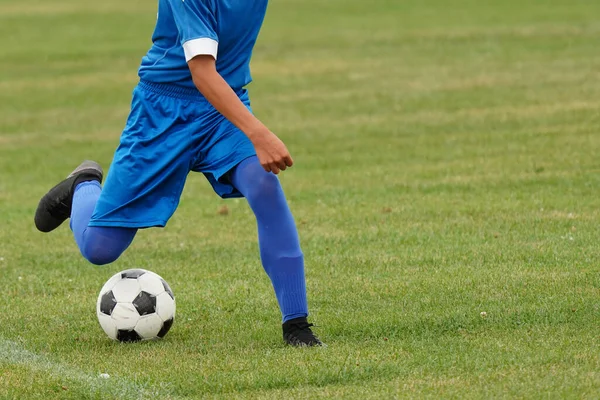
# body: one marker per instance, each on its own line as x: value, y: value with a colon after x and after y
x: 280, y: 250
x: 99, y: 245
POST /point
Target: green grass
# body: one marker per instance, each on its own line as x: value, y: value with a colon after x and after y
x: 446, y: 165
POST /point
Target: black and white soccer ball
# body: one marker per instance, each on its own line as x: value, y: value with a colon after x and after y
x: 136, y: 305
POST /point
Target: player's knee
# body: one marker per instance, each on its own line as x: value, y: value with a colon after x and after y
x: 264, y: 186
x: 103, y: 246
x: 101, y: 259
x: 100, y: 255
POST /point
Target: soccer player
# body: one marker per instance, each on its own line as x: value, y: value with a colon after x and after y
x: 191, y: 112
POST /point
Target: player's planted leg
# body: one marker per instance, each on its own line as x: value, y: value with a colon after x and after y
x: 280, y: 250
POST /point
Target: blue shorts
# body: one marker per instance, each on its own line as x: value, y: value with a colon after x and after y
x: 170, y: 131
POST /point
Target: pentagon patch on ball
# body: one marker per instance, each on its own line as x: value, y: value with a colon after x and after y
x: 136, y: 305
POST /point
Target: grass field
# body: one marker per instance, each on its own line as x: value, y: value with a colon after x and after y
x: 446, y: 166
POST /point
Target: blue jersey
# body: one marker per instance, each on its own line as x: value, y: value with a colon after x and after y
x: 225, y: 29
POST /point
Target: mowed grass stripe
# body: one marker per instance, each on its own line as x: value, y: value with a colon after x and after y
x: 92, y: 385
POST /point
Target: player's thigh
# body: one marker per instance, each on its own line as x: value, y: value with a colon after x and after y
x: 149, y: 168
x: 219, y: 148
x: 229, y: 146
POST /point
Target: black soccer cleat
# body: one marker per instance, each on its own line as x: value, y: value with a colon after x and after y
x: 55, y: 207
x: 296, y: 332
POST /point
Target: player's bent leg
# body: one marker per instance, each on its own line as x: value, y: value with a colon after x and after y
x: 104, y: 245
x: 280, y: 250
x: 99, y: 245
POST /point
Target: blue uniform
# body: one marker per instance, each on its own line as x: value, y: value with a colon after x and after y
x: 226, y: 29
x: 172, y: 129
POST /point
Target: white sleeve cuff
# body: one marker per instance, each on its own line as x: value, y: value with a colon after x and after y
x: 199, y: 47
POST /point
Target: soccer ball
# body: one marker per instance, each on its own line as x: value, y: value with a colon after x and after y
x: 136, y: 305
